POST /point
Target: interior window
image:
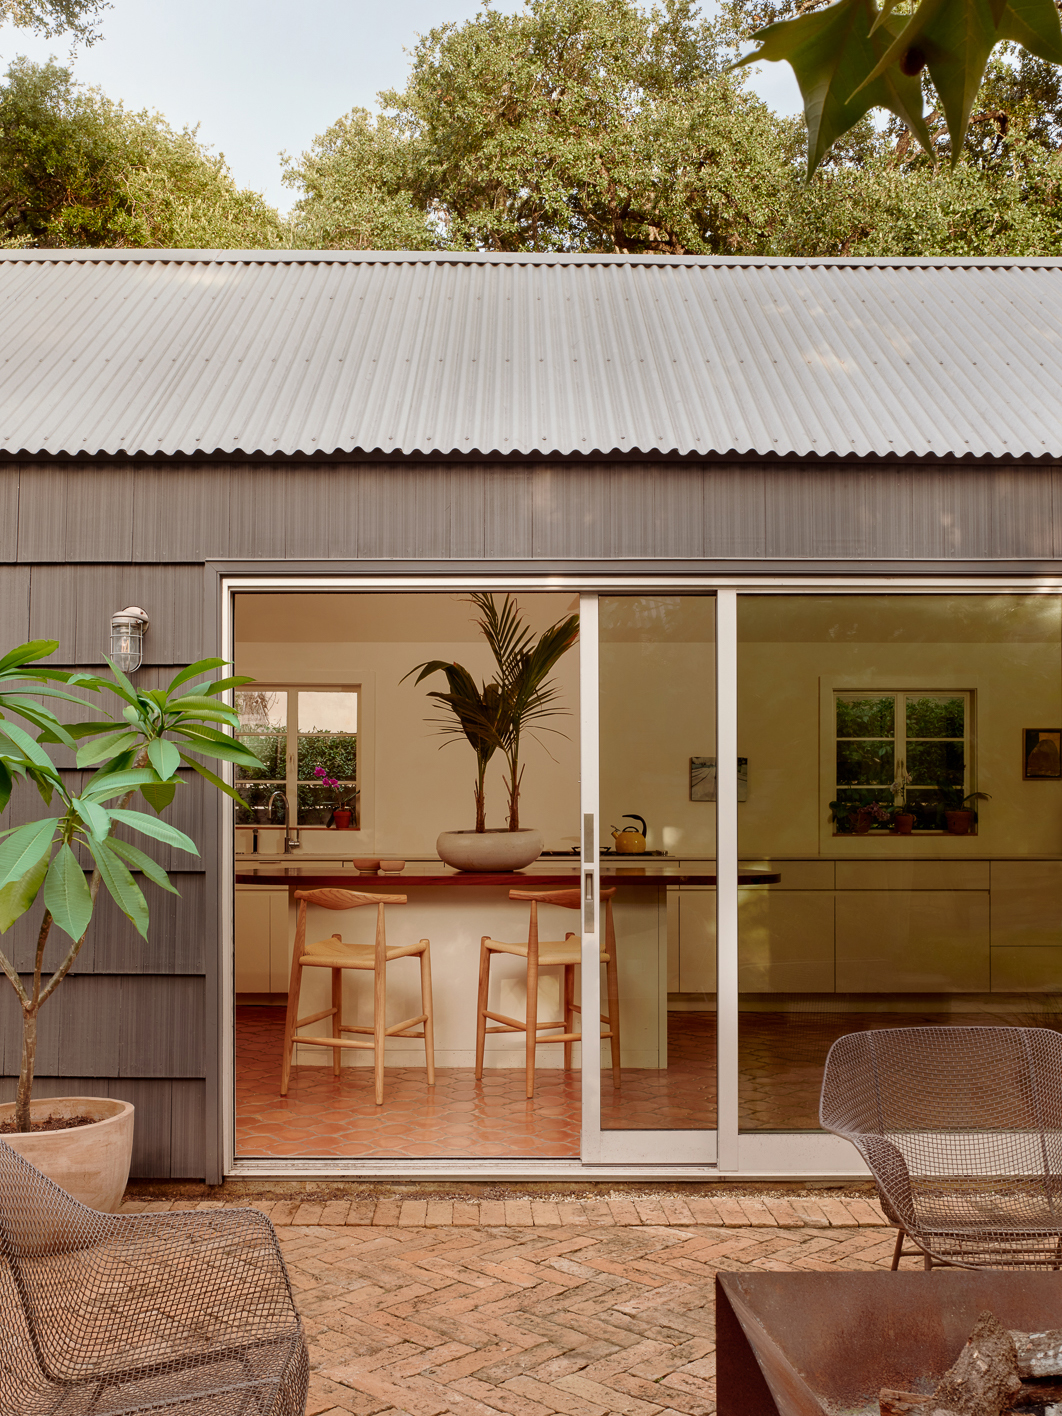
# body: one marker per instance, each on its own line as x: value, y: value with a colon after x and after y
x: 903, y: 749
x: 307, y: 740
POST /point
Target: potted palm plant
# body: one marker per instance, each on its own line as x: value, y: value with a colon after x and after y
x: 496, y: 716
x: 85, y: 1143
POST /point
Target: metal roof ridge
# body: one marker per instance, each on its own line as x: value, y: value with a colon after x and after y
x: 124, y: 255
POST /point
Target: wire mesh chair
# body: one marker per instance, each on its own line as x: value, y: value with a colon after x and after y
x: 188, y: 1313
x: 962, y: 1130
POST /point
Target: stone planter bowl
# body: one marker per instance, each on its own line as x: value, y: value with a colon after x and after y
x: 89, y: 1162
x: 489, y: 851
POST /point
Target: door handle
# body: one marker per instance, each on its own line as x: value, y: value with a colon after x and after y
x: 589, y: 921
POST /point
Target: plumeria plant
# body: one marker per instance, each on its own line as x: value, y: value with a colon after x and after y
x: 138, y: 749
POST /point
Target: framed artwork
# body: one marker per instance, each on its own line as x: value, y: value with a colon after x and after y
x: 702, y: 779
x: 1041, y: 759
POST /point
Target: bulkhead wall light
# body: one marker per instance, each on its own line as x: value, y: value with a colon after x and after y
x: 128, y: 627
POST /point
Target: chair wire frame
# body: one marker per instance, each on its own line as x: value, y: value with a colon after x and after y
x: 101, y: 1314
x: 962, y: 1130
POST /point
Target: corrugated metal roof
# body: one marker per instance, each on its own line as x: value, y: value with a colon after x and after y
x: 184, y: 352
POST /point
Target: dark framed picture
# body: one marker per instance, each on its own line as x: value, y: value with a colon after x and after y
x: 1042, y: 754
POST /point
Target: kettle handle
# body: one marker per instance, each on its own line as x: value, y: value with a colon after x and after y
x: 628, y: 816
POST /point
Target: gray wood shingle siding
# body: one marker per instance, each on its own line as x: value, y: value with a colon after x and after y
x: 161, y: 523
x: 80, y: 540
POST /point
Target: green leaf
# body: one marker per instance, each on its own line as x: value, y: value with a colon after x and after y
x: 6, y: 784
x: 954, y: 38
x: 18, y: 895
x: 22, y: 740
x: 833, y: 55
x: 121, y: 886
x: 203, y: 666
x: 25, y: 847
x: 227, y: 750
x: 25, y: 653
x: 213, y: 779
x: 235, y: 681
x: 105, y: 785
x: 140, y: 860
x: 66, y: 893
x: 158, y: 830
x: 93, y: 815
x: 106, y: 747
x: 158, y: 795
x: 1034, y: 24
x: 164, y: 757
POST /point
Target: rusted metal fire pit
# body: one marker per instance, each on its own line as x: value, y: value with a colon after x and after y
x: 821, y: 1344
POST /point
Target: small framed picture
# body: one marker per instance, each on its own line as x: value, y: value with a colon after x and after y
x: 1042, y: 754
x: 702, y: 779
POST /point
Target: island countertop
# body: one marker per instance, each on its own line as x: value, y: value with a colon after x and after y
x: 318, y: 875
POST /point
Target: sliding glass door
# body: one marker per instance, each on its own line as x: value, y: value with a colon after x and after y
x: 649, y: 785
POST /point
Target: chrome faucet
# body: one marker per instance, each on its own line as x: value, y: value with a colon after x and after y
x: 291, y: 836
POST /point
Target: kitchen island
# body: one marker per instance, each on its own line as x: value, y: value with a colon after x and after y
x: 454, y: 909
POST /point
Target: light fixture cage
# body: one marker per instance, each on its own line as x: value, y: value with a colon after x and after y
x: 128, y: 627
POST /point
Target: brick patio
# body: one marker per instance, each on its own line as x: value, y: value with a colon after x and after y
x: 533, y: 1306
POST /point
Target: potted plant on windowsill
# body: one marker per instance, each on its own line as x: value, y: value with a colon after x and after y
x: 85, y: 1143
x: 344, y: 815
x: 962, y: 818
x: 495, y: 717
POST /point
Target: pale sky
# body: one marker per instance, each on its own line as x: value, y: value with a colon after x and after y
x: 259, y: 76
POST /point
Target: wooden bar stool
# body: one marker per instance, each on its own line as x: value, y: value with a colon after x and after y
x: 334, y: 954
x: 540, y: 954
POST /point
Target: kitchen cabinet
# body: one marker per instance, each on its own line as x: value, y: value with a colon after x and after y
x: 262, y: 957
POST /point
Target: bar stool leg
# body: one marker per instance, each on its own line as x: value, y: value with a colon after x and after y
x: 531, y: 1036
x: 481, y: 1006
x: 337, y: 1017
x: 426, y: 1008
x: 290, y: 1020
x: 612, y: 985
x: 379, y: 1029
x: 569, y: 1012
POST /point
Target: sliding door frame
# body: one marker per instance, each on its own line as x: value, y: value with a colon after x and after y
x: 611, y: 1154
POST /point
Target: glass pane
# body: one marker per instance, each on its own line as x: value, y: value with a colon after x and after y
x: 936, y: 717
x: 271, y: 751
x: 865, y: 717
x: 938, y: 764
x: 316, y: 802
x: 657, y: 697
x: 862, y: 763
x: 258, y: 808
x: 327, y: 750
x: 262, y: 709
x: 933, y: 916
x: 327, y: 712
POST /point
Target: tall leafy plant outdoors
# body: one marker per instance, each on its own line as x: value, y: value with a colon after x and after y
x: 495, y: 716
x: 137, y: 749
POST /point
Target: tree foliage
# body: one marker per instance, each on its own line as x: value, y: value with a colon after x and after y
x: 574, y: 125
x: 77, y: 169
x: 78, y: 18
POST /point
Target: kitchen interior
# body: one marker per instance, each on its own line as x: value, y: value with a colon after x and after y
x: 840, y: 928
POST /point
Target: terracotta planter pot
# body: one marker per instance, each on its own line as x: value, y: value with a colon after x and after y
x: 489, y: 850
x: 861, y: 823
x: 959, y: 822
x: 904, y: 823
x: 342, y: 818
x: 89, y: 1162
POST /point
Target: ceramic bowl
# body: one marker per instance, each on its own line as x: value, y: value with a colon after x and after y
x: 392, y: 865
x: 367, y: 867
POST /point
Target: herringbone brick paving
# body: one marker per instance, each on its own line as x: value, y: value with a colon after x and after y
x: 528, y: 1307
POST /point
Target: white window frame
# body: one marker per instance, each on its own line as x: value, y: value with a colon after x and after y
x: 752, y: 1155
x: 899, y: 697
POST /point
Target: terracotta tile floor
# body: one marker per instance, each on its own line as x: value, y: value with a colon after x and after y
x: 781, y: 1061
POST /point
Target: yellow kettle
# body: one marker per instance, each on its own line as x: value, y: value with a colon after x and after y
x: 629, y: 841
